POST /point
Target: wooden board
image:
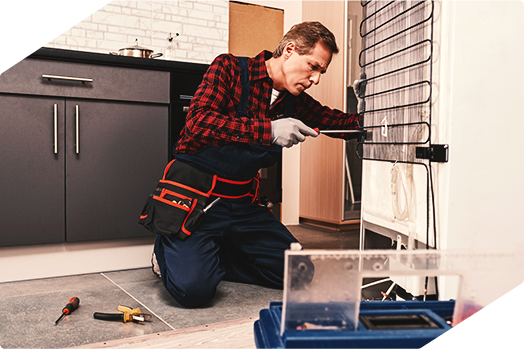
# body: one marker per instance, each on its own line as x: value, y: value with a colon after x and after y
x: 253, y: 28
x: 322, y: 158
x: 228, y: 334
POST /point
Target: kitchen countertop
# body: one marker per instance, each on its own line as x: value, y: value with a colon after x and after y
x: 117, y: 60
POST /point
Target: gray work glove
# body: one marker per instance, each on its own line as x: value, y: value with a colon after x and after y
x: 359, y: 87
x: 288, y: 132
x: 356, y: 88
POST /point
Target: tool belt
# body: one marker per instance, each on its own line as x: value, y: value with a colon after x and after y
x: 178, y: 203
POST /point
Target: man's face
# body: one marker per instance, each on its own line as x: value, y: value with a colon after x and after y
x: 302, y: 71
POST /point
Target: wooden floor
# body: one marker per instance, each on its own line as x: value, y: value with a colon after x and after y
x: 229, y: 334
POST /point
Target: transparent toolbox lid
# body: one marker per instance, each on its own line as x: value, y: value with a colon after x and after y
x: 322, y: 288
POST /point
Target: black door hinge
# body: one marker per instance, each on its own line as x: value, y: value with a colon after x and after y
x: 435, y: 152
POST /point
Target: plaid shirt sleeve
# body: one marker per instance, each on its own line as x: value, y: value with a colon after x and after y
x: 315, y: 115
x: 212, y: 119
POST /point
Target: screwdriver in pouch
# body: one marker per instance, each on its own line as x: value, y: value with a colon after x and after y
x: 69, y: 308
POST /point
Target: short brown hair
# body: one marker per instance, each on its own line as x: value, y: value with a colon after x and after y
x: 305, y: 35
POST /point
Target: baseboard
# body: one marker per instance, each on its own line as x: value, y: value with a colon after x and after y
x: 342, y: 226
x: 54, y: 260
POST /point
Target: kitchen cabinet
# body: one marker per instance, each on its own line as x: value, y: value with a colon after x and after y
x: 32, y: 192
x: 79, y: 158
x: 121, y: 154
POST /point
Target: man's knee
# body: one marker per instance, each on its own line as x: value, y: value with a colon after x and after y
x: 191, y: 293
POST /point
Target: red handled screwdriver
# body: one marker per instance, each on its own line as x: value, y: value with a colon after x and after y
x: 69, y: 308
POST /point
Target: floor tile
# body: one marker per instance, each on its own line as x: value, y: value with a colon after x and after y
x: 232, y: 300
x: 30, y: 308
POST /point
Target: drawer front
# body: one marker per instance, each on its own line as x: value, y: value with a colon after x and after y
x: 69, y: 79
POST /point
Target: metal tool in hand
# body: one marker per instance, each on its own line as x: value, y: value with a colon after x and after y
x: 126, y: 314
x: 338, y: 131
x: 69, y: 308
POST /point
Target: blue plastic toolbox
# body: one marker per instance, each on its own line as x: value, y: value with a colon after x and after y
x: 388, y: 324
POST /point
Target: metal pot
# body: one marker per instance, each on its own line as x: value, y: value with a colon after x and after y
x: 137, y: 51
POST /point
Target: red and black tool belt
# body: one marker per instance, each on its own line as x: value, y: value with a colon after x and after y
x: 176, y: 206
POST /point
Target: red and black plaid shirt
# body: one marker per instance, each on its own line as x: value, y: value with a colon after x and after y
x: 211, y: 118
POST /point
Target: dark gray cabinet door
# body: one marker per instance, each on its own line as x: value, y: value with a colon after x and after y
x: 31, y: 172
x: 119, y: 157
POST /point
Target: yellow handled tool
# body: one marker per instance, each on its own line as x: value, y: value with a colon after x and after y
x: 126, y: 314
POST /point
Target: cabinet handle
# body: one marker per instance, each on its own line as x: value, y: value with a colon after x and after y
x: 55, y: 127
x: 77, y: 138
x: 70, y: 78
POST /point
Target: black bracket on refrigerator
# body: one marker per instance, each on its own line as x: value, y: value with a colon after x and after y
x: 435, y: 152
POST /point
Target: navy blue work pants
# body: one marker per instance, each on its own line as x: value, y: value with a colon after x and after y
x: 236, y: 241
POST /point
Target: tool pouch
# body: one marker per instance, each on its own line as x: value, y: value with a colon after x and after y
x: 175, y: 208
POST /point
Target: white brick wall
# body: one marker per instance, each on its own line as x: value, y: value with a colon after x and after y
x: 202, y: 25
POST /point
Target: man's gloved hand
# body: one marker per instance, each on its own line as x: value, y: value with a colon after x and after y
x: 356, y: 88
x: 360, y: 103
x: 359, y: 87
x: 289, y: 131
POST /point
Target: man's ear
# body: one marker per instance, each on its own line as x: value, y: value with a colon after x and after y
x: 289, y: 49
